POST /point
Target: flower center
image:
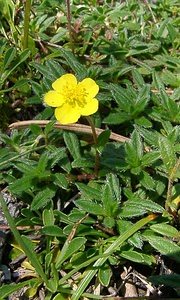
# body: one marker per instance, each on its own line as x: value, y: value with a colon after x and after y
x: 75, y: 96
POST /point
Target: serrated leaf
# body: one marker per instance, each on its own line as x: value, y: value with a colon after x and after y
x: 134, y: 150
x: 165, y: 229
x: 42, y: 164
x: 123, y: 97
x: 72, y: 144
x: 167, y: 153
x: 157, y: 82
x: 111, y: 194
x: 60, y: 180
x: 82, y: 163
x: 59, y: 157
x: 138, y: 78
x: 166, y: 247
x: 73, y: 62
x: 149, y: 158
x: 116, y: 118
x: 141, y: 100
x: 91, y: 207
x: 55, y: 68
x: 42, y: 198
x: 89, y: 192
x: 151, y: 137
x: 137, y: 207
x: 147, y: 181
x: 44, y: 71
x: 21, y: 184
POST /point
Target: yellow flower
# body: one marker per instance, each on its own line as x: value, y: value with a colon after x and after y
x: 72, y: 99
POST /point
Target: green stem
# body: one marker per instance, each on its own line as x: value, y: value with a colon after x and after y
x: 69, y: 24
x: 95, y: 137
x: 26, y: 23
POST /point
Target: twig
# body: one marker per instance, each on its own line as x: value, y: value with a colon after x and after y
x: 73, y: 127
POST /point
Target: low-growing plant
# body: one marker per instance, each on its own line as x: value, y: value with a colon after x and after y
x: 101, y: 194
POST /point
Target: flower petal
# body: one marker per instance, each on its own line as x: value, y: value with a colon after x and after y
x: 67, y: 114
x: 90, y: 108
x: 66, y: 80
x: 54, y: 99
x: 90, y: 87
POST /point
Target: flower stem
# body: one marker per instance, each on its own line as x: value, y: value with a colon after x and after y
x: 26, y: 23
x: 95, y: 137
x: 69, y: 24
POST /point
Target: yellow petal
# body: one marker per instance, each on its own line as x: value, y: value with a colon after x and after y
x: 90, y: 108
x: 54, y: 99
x: 67, y: 114
x: 90, y: 87
x: 65, y: 81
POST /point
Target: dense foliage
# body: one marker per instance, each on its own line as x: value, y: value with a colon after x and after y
x: 91, y: 207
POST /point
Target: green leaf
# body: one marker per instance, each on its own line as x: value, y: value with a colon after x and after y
x: 48, y: 217
x: 151, y: 137
x: 82, y: 163
x: 9, y: 289
x: 117, y: 118
x: 59, y: 157
x: 73, y: 62
x: 104, y: 274
x: 166, y: 247
x: 137, y: 207
x: 9, y: 56
x: 91, y: 207
x: 167, y: 153
x: 21, y: 184
x: 89, y: 192
x: 138, y: 78
x: 147, y: 181
x: 44, y: 71
x: 141, y: 100
x: 52, y: 230
x: 60, y: 180
x: 165, y: 229
x: 42, y: 198
x: 69, y: 249
x: 123, y: 97
x: 173, y: 33
x: 149, y: 158
x: 103, y: 139
x: 133, y: 256
x: 157, y: 82
x: 111, y: 195
x: 55, y: 68
x: 72, y: 144
x: 172, y: 280
x: 134, y: 150
x: 111, y: 249
x: 21, y: 58
x: 42, y: 164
